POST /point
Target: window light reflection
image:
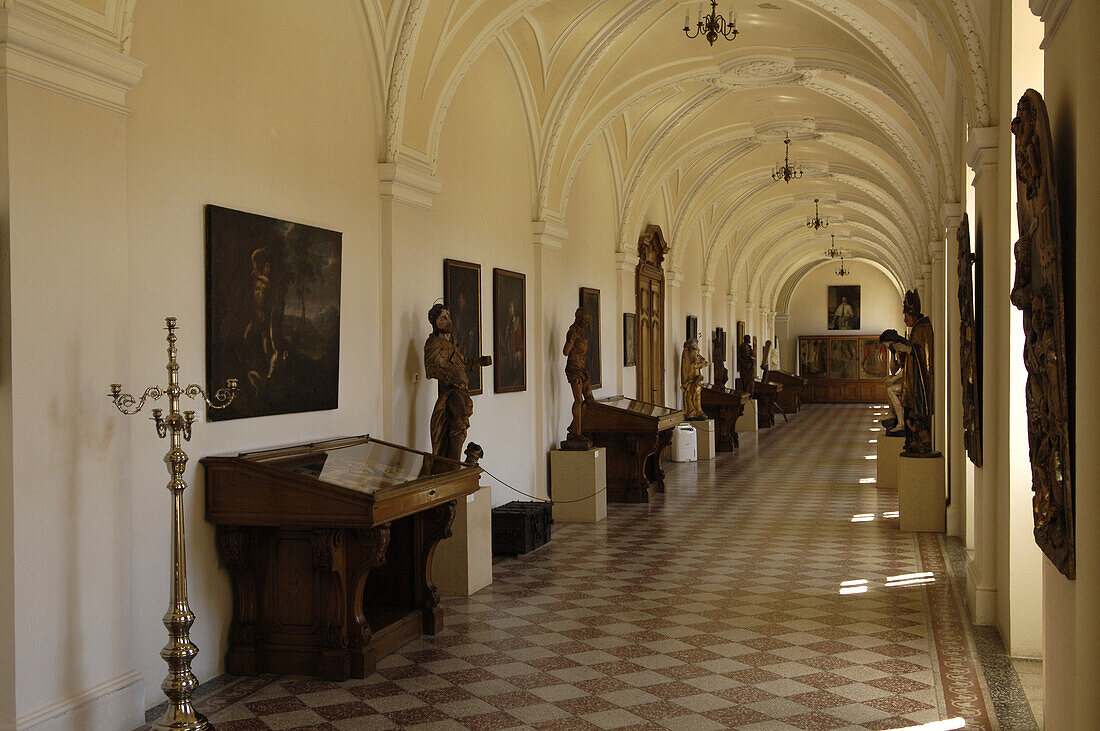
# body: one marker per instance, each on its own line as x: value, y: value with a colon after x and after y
x: 891, y: 514
x: 870, y: 456
x: 949, y: 725
x: 867, y: 480
x: 863, y: 517
x: 872, y: 441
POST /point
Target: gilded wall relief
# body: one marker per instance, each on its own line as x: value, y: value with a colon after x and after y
x: 968, y: 348
x: 1038, y: 292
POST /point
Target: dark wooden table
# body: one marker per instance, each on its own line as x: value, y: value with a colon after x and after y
x: 790, y: 398
x: 765, y: 394
x: 725, y: 406
x: 635, y: 434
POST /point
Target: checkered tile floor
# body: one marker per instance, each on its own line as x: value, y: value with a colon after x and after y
x: 745, y: 597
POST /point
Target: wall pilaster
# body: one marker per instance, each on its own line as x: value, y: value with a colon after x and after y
x: 953, y: 448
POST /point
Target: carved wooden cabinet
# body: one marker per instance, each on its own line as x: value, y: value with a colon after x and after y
x: 842, y: 368
x: 725, y: 406
x: 329, y: 549
x: 790, y: 398
x: 634, y: 433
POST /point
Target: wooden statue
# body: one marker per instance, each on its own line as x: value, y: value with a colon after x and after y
x: 917, y: 386
x: 1038, y: 292
x: 692, y: 364
x: 746, y: 364
x: 895, y: 374
x: 718, y: 350
x: 444, y: 362
x: 575, y: 350
x: 968, y: 348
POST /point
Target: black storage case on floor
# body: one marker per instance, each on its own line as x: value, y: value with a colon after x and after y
x: 521, y: 527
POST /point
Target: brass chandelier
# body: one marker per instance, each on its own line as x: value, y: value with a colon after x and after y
x: 817, y: 222
x: 787, y: 172
x: 713, y: 25
x: 843, y: 271
x: 832, y: 252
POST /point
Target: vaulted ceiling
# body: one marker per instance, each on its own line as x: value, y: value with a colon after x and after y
x: 875, y: 95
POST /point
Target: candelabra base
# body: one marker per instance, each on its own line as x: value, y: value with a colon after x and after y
x: 179, y: 719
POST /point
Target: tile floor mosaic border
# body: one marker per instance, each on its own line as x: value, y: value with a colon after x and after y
x: 719, y: 605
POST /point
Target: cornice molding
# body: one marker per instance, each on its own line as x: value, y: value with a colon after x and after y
x: 981, y: 151
x: 68, y: 53
x: 551, y: 233
x: 626, y: 261
x: 674, y: 278
x: 707, y: 290
x: 1051, y: 13
x: 409, y: 183
x: 951, y: 217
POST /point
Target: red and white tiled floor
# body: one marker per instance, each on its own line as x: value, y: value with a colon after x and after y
x: 745, y: 597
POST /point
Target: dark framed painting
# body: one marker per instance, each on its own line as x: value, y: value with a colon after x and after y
x: 812, y: 358
x: 844, y: 359
x: 590, y: 300
x: 629, y: 330
x: 740, y: 333
x: 462, y: 296
x: 872, y: 359
x: 272, y: 314
x: 843, y: 306
x: 509, y: 331
x: 692, y: 327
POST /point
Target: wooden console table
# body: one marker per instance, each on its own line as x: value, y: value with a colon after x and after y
x: 790, y: 398
x: 725, y: 406
x: 634, y: 433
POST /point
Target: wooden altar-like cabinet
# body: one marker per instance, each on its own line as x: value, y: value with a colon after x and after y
x: 634, y: 433
x: 725, y: 406
x: 842, y: 368
x: 649, y: 340
x: 329, y: 549
x: 790, y: 398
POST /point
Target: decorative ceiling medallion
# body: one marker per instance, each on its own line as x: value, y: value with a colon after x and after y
x: 760, y: 71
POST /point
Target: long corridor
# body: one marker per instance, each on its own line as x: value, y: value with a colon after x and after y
x: 768, y: 589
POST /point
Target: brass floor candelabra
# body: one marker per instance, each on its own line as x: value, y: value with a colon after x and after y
x: 179, y: 685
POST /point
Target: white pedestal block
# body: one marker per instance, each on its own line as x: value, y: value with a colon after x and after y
x: 748, y: 420
x: 575, y: 475
x: 705, y: 430
x: 463, y: 563
x: 887, y: 452
x: 922, y: 496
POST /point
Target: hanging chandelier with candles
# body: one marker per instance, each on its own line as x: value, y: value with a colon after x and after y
x: 817, y: 222
x: 787, y: 172
x: 713, y: 25
x: 832, y: 252
x: 842, y: 271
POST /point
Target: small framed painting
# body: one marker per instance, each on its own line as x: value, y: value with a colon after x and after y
x: 628, y: 339
x: 590, y: 300
x: 843, y: 307
x: 509, y: 332
x: 462, y: 296
x: 692, y: 326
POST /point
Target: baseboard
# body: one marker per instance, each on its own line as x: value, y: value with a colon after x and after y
x: 955, y: 520
x: 115, y: 704
x: 982, y: 602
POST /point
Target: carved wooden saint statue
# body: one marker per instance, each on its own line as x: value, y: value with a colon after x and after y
x: 576, y: 347
x: 1038, y: 292
x: 443, y: 361
x: 692, y: 364
x: 968, y: 348
x: 895, y: 375
x: 718, y: 349
x: 746, y: 364
x: 917, y: 387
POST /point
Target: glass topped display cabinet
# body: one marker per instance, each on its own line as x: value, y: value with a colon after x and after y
x: 329, y: 549
x: 635, y: 434
x: 725, y: 406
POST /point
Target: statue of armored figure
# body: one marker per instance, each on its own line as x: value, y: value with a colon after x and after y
x: 917, y: 387
x: 443, y: 361
x: 575, y: 350
x: 692, y: 364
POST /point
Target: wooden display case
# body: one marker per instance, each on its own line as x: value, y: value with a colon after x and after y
x: 842, y: 368
x: 790, y: 398
x: 634, y: 433
x: 329, y: 550
x: 725, y: 406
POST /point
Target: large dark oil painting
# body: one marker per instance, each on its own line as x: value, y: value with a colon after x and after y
x: 272, y: 313
x: 462, y: 295
x: 590, y: 300
x: 843, y: 307
x: 509, y: 332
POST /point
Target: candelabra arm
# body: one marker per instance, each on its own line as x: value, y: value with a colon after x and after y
x: 127, y: 404
x: 221, y: 398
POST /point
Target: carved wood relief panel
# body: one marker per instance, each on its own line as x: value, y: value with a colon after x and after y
x: 968, y: 348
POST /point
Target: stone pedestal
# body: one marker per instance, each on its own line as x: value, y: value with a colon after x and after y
x: 888, y: 450
x: 748, y: 419
x: 922, y: 496
x: 463, y: 563
x: 705, y: 431
x: 581, y: 477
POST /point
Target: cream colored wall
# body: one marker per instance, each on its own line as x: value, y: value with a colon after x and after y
x: 285, y: 126
x: 880, y: 306
x: 7, y: 456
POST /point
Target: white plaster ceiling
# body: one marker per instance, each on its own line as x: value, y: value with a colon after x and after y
x: 874, y: 94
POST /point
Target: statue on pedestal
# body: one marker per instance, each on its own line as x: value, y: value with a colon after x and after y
x: 895, y: 373
x: 718, y: 349
x: 746, y: 364
x: 692, y: 364
x: 575, y: 350
x: 444, y: 362
x: 917, y: 386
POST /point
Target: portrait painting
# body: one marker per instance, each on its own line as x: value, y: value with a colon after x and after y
x: 462, y: 296
x: 509, y: 332
x: 844, y: 359
x: 812, y: 358
x: 873, y: 359
x: 272, y: 313
x: 590, y: 300
x: 692, y: 330
x: 843, y: 307
x: 629, y: 329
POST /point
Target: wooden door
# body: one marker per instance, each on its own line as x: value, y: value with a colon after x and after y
x: 650, y: 322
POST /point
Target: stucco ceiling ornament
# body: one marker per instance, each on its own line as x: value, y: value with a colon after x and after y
x: 759, y: 72
x: 1038, y: 291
